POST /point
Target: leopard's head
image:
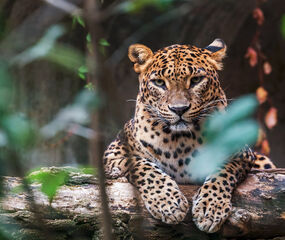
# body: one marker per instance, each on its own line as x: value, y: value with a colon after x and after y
x: 179, y: 84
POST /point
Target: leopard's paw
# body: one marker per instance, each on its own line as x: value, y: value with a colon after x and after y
x: 169, y: 205
x: 210, y: 209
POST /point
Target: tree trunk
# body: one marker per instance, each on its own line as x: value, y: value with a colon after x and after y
x: 259, y: 210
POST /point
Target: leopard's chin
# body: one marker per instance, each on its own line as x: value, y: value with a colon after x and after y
x: 180, y: 126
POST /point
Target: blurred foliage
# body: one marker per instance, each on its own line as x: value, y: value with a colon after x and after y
x: 82, y: 71
x: 136, y: 6
x: 76, y: 113
x: 21, y: 133
x: 226, y: 133
x: 66, y: 56
x: 51, y: 179
x: 78, y: 19
x: 5, y: 89
x: 17, y: 132
x: 41, y: 48
x: 103, y: 42
x: 283, y: 26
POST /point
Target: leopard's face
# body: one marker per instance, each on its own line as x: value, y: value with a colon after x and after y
x: 179, y: 84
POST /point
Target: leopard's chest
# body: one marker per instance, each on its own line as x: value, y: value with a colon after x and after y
x: 172, y: 151
x: 178, y: 166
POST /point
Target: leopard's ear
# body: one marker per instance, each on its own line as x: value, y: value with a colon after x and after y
x: 218, y: 51
x: 141, y: 55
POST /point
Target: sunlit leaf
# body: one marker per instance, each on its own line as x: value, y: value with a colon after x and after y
x: 258, y: 16
x: 82, y: 75
x: 271, y: 117
x: 88, y: 38
x: 251, y: 54
x: 261, y: 95
x: 82, y: 70
x: 267, y: 69
x: 104, y: 42
x: 80, y: 20
x: 50, y: 181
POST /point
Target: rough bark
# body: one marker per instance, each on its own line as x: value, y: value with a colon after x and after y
x: 259, y: 210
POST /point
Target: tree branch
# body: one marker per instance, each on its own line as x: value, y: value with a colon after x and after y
x: 259, y: 209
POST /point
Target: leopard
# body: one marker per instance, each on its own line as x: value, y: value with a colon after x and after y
x: 178, y: 88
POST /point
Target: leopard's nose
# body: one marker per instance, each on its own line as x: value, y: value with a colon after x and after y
x: 179, y: 110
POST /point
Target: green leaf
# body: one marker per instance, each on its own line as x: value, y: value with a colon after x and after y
x: 283, y: 26
x: 103, y: 42
x: 80, y: 21
x: 82, y: 70
x: 50, y: 181
x: 88, y: 38
x: 82, y: 76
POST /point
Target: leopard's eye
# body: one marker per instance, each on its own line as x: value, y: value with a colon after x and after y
x: 159, y: 83
x: 195, y: 80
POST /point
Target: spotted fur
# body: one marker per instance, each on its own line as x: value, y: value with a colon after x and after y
x: 179, y: 87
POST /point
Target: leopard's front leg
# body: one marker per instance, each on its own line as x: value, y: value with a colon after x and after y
x: 160, y: 193
x: 212, y: 203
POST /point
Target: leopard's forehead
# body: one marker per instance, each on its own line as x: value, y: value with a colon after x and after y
x: 178, y: 61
